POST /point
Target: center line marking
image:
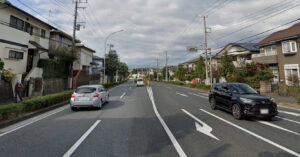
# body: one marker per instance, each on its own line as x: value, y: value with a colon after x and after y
x: 253, y: 134
x: 81, y: 139
x: 181, y: 94
x: 278, y: 127
x: 121, y: 97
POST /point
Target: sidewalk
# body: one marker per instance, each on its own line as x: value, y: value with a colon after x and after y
x: 284, y: 100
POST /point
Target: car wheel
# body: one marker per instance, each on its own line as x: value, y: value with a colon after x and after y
x: 213, y: 103
x: 236, y: 111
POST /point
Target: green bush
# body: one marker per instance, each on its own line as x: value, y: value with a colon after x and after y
x: 201, y: 86
x: 110, y: 85
x: 54, y: 68
x: 174, y: 82
x: 14, y: 110
x: 298, y: 99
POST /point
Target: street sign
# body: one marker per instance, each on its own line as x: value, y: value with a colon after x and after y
x: 192, y: 49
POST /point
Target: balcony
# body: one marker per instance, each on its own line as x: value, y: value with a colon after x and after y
x: 265, y: 59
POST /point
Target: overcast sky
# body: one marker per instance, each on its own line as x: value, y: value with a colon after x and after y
x: 154, y: 26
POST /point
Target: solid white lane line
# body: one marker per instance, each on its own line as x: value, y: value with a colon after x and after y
x: 290, y: 113
x: 288, y: 119
x: 254, y: 134
x: 178, y: 148
x: 205, y: 129
x: 198, y: 95
x: 278, y: 127
x: 292, y: 108
x: 181, y: 94
x: 81, y: 139
x: 38, y: 119
x: 121, y: 97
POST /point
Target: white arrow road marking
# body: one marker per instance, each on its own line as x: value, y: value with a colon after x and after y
x: 181, y: 94
x: 290, y: 113
x: 178, y: 148
x: 205, y: 129
x: 198, y: 95
x: 81, y: 139
x: 254, y: 134
x: 278, y: 127
x: 288, y: 119
x: 121, y: 97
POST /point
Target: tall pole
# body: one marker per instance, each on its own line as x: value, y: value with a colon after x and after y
x: 166, y: 65
x: 157, y: 69
x: 73, y: 45
x: 210, y: 68
x: 205, y: 48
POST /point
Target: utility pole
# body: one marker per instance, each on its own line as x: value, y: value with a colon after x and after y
x: 157, y: 69
x: 205, y: 48
x: 210, y: 68
x: 166, y: 65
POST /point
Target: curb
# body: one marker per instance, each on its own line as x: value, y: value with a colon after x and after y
x: 32, y: 114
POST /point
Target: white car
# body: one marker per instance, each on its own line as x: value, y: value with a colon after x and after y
x: 140, y: 82
x: 89, y: 96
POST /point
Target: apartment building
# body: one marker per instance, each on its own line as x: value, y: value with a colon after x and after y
x: 281, y: 51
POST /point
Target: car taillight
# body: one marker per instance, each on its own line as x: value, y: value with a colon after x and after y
x: 96, y: 96
x: 73, y: 96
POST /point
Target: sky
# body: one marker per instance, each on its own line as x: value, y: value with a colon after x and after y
x: 152, y: 27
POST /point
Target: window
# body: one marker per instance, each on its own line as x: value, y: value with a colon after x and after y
x: 16, y: 23
x: 43, y: 33
x: 27, y: 27
x: 289, y: 47
x: 85, y: 90
x: 291, y: 72
x: 15, y: 54
x: 270, y: 50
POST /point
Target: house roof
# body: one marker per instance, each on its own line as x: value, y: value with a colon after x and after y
x: 247, y: 46
x: 290, y: 32
x: 64, y: 34
x: 191, y: 61
x: 38, y: 46
x: 83, y: 46
x: 97, y: 58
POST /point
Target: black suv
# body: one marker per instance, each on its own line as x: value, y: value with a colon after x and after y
x: 242, y: 101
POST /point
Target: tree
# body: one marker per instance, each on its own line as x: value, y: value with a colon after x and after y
x: 1, y: 65
x: 180, y: 73
x: 200, y: 71
x: 111, y: 65
x: 155, y: 75
x: 227, y: 67
x: 164, y: 73
x: 123, y: 69
x: 64, y: 54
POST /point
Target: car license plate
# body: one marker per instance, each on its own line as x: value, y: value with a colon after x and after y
x: 264, y: 111
x: 83, y: 98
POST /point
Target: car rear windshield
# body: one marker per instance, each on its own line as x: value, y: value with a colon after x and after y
x: 85, y: 90
x: 242, y: 89
x: 140, y: 79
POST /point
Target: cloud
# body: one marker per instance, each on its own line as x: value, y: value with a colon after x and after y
x: 154, y: 26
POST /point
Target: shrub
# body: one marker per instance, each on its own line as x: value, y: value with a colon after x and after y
x: 8, y: 76
x: 1, y: 64
x: 14, y: 110
x: 54, y: 68
x: 110, y: 85
x: 201, y: 86
x: 179, y: 83
x: 297, y: 99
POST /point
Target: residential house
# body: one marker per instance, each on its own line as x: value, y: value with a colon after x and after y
x: 85, y: 58
x: 172, y: 70
x: 281, y: 51
x: 190, y: 65
x: 98, y: 63
x: 24, y: 39
x: 241, y: 53
x: 60, y: 39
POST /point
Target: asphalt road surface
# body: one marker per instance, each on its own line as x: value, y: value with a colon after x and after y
x: 161, y: 120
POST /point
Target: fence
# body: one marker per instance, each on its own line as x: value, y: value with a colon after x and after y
x: 6, y: 92
x: 54, y: 85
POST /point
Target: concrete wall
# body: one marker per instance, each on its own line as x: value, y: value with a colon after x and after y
x: 6, y: 92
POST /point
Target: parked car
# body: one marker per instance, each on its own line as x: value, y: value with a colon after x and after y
x: 242, y: 101
x: 140, y: 82
x: 89, y: 96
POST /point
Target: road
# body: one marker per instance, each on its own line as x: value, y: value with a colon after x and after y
x: 162, y: 120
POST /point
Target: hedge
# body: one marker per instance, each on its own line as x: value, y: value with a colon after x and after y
x: 201, y: 86
x: 174, y: 83
x: 14, y: 110
x: 298, y: 99
x: 54, y: 68
x: 110, y: 85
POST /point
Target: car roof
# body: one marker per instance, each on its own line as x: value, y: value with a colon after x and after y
x: 95, y: 86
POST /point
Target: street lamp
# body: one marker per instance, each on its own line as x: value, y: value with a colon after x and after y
x: 105, y: 48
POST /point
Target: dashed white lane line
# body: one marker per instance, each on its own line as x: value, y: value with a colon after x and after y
x: 278, y: 127
x: 198, y: 95
x: 178, y: 148
x: 35, y: 120
x: 254, y: 134
x: 290, y: 113
x: 288, y: 119
x: 291, y: 108
x: 121, y: 97
x: 81, y: 139
x: 181, y: 94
